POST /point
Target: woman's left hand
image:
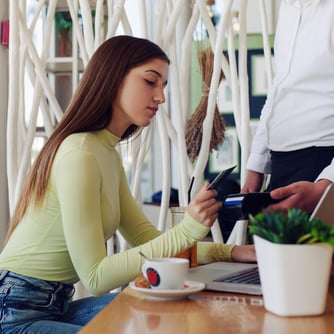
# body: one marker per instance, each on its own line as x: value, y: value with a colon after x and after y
x: 244, y: 253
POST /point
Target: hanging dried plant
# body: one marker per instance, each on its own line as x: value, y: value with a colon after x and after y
x: 194, y: 126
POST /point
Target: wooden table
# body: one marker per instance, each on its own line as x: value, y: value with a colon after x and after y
x: 204, y: 313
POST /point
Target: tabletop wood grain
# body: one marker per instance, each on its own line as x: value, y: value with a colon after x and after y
x: 204, y: 312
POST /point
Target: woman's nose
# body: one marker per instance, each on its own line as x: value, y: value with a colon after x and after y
x: 159, y: 97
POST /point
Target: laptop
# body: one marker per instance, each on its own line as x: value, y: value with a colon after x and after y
x: 244, y: 277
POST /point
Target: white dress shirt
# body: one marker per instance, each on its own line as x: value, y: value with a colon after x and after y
x: 299, y: 110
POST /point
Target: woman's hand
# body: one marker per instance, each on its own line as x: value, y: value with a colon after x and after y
x: 204, y: 206
x: 244, y: 253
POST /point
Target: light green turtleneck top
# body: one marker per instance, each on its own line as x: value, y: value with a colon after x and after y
x: 87, y: 201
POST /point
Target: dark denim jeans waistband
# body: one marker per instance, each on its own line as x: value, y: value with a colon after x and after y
x: 66, y: 290
x: 3, y: 274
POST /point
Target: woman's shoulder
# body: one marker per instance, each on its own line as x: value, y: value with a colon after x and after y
x: 90, y: 140
x: 75, y: 150
x: 98, y: 143
x: 75, y: 141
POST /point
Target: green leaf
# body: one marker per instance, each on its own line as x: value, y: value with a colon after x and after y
x: 295, y: 227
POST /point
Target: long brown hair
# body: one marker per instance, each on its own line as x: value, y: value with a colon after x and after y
x: 89, y: 110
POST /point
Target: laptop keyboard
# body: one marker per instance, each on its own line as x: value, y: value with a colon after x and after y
x: 250, y: 276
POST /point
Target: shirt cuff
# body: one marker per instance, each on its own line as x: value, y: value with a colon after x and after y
x: 327, y: 173
x: 208, y: 252
x: 259, y: 163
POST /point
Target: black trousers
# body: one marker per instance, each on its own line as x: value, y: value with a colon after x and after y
x: 300, y: 165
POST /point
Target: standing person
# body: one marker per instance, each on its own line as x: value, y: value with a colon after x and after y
x: 294, y: 142
x: 76, y: 196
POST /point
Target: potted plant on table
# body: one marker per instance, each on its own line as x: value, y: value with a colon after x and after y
x: 294, y: 257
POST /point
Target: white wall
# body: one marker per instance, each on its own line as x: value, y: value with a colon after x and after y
x: 253, y: 14
x: 4, y: 211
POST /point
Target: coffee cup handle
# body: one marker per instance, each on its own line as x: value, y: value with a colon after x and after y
x: 144, y: 270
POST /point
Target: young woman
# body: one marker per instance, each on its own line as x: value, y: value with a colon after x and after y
x: 76, y: 196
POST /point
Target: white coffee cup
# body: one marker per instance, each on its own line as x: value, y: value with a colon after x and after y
x: 166, y: 273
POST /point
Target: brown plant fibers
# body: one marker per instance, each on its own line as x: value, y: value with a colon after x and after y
x: 194, y: 126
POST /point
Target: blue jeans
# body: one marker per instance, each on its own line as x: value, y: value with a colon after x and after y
x: 31, y: 305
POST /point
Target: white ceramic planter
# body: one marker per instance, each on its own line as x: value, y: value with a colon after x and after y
x: 294, y: 278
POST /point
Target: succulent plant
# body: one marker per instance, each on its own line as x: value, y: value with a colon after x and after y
x: 295, y: 227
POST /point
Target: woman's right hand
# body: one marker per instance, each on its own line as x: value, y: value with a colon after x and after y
x: 204, y: 206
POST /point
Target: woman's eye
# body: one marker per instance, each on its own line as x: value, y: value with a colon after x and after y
x: 149, y: 82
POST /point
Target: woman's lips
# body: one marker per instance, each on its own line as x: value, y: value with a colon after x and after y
x: 153, y: 110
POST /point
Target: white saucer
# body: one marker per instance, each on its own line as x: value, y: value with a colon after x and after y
x: 190, y: 287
